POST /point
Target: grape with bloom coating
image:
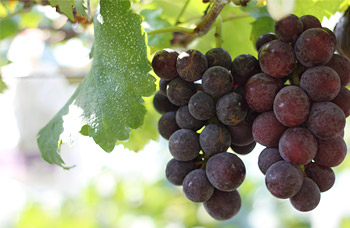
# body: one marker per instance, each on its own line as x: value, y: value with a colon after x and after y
x: 162, y: 104
x: 217, y: 81
x: 343, y: 100
x: 323, y: 176
x: 164, y: 64
x: 201, y: 106
x: 310, y: 21
x: 342, y: 66
x: 331, y: 152
x: 196, y: 186
x: 176, y: 171
x: 214, y: 139
x: 218, y: 57
x: 308, y: 197
x: 185, y: 120
x: 243, y: 67
x: 263, y: 39
x: 268, y: 157
x: 167, y: 125
x: 184, y: 145
x: 231, y: 109
x: 289, y: 28
x: 191, y: 65
x: 179, y: 91
x: 243, y: 149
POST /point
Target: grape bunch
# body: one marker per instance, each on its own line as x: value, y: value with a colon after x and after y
x: 204, y: 112
x: 303, y: 103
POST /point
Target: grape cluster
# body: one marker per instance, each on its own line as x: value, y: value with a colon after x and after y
x: 204, y: 112
x: 303, y: 103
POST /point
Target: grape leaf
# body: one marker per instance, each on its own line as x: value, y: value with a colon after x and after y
x: 109, y: 100
x: 261, y: 25
x: 3, y: 86
x: 317, y: 8
x: 79, y: 5
x: 65, y: 7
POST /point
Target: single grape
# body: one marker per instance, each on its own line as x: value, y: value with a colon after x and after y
x: 326, y: 120
x: 343, y: 100
x: 267, y: 130
x: 241, y: 134
x: 179, y: 91
x: 176, y: 171
x: 283, y: 179
x: 218, y: 57
x: 297, y: 145
x: 202, y: 106
x: 308, y: 197
x: 263, y: 39
x: 268, y: 157
x: 167, y: 125
x: 243, y: 67
x: 223, y: 205
x: 162, y: 104
x: 323, y: 176
x: 184, y: 145
x: 185, y: 120
x: 314, y: 47
x: 217, y: 81
x: 332, y: 35
x: 309, y: 22
x: 243, y: 150
x: 191, y: 65
x: 231, y: 109
x: 164, y: 64
x: 214, y: 139
x: 225, y: 171
x: 321, y: 83
x: 291, y: 106
x: 289, y: 28
x: 260, y: 92
x: 162, y: 86
x: 342, y: 66
x: 331, y: 152
x: 277, y: 59
x: 196, y: 186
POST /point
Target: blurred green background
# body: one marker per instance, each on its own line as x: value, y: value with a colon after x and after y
x: 43, y: 57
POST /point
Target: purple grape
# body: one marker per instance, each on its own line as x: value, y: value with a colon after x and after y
x: 331, y: 152
x: 164, y: 64
x: 167, y: 125
x: 162, y: 104
x: 298, y: 146
x: 196, y: 186
x: 243, y: 150
x: 343, y: 100
x: 291, y: 106
x: 191, y: 65
x: 314, y: 47
x: 241, y: 134
x: 201, y: 106
x: 176, y: 171
x: 223, y: 205
x: 225, y: 171
x: 326, y: 120
x: 231, y: 109
x: 283, y: 179
x: 308, y: 197
x: 162, y: 86
x: 323, y: 176
x: 268, y: 157
x: 218, y: 57
x: 289, y: 28
x: 263, y: 39
x: 267, y: 130
x: 310, y: 21
x: 185, y: 120
x: 277, y: 59
x: 214, y: 139
x: 184, y: 145
x: 342, y: 66
x: 321, y: 83
x: 260, y: 92
x: 217, y: 81
x: 243, y: 67
x: 179, y: 91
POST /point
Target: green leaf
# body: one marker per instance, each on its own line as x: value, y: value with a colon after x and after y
x: 109, y: 100
x: 261, y: 25
x: 80, y: 7
x: 3, y: 86
x: 8, y: 28
x: 255, y: 11
x: 153, y: 20
x: 65, y: 7
x: 140, y: 137
x: 317, y: 8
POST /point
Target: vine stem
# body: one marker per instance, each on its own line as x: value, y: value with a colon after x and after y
x: 218, y: 32
x: 177, y: 21
x: 201, y: 28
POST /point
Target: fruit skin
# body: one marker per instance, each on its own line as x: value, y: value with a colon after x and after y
x: 214, y: 139
x: 268, y: 157
x: 231, y: 108
x: 243, y: 150
x: 217, y: 81
x: 241, y: 134
x: 323, y: 176
x: 185, y: 120
x: 162, y: 104
x: 289, y: 28
x: 342, y: 31
x: 191, y: 65
x: 343, y: 100
x: 218, y: 57
x: 308, y: 197
x: 223, y: 205
x: 263, y: 39
x: 310, y: 21
x: 164, y: 64
x: 298, y: 146
x: 176, y: 171
x: 277, y: 59
x: 167, y: 125
x: 331, y: 153
x: 180, y: 91
x: 196, y: 186
x: 314, y: 47
x: 201, y: 106
x: 243, y: 67
x: 184, y: 145
x: 342, y: 66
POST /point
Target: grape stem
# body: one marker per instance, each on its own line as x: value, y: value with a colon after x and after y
x: 218, y: 32
x: 201, y: 28
x: 177, y: 21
